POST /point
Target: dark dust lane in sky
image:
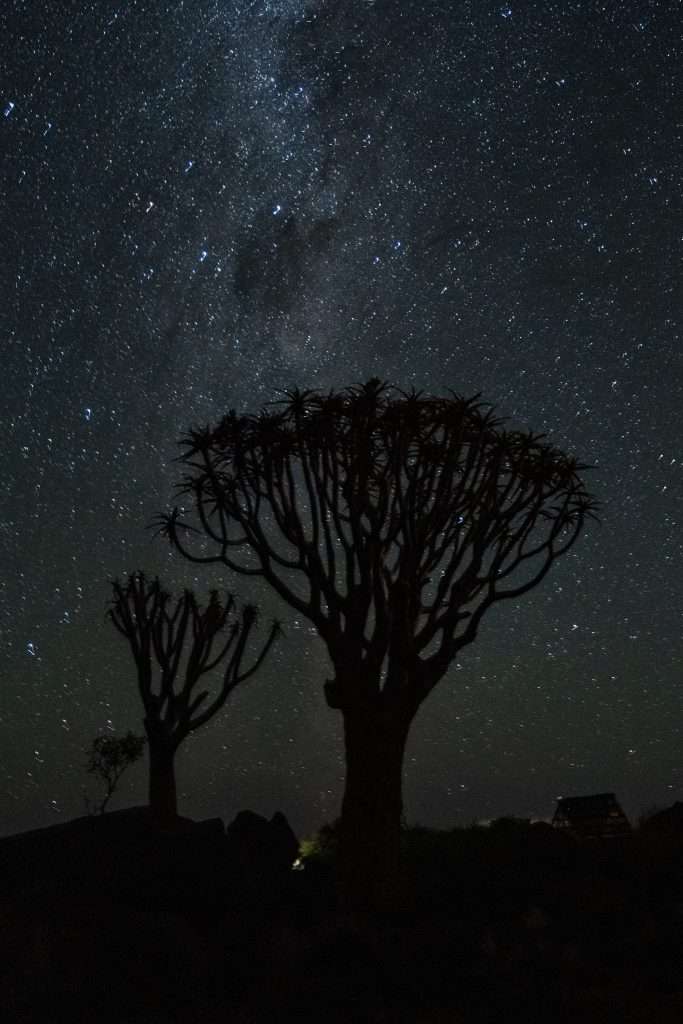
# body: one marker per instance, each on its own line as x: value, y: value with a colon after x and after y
x: 202, y: 203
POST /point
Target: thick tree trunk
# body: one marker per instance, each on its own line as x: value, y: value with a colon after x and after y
x: 163, y: 799
x: 370, y: 832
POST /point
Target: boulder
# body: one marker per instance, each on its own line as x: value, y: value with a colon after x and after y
x: 259, y: 849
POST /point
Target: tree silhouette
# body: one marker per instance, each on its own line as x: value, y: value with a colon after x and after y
x: 178, y: 638
x: 108, y: 758
x: 393, y: 521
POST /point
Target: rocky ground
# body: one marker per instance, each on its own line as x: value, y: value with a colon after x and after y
x: 119, y: 924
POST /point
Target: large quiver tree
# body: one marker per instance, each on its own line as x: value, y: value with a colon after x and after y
x: 176, y: 643
x: 393, y: 522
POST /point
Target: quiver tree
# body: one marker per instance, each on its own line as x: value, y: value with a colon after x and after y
x: 176, y: 643
x: 393, y: 522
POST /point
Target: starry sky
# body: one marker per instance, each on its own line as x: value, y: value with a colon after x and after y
x: 205, y: 202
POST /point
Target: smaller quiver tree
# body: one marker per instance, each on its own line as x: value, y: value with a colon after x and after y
x: 175, y: 643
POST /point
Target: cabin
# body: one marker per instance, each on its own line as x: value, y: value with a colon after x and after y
x: 598, y: 816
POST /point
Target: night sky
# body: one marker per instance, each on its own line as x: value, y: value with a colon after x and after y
x: 204, y: 202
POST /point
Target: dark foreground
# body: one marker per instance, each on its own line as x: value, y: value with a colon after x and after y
x: 108, y: 920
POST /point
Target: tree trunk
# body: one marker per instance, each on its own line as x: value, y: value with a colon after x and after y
x: 163, y: 800
x: 370, y: 832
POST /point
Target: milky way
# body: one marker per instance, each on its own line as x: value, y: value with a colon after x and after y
x: 203, y: 203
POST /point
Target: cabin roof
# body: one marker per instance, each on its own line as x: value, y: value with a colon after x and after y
x: 587, y: 806
x: 598, y: 814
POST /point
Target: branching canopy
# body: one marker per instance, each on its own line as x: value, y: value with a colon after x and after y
x: 392, y: 520
x: 178, y: 637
